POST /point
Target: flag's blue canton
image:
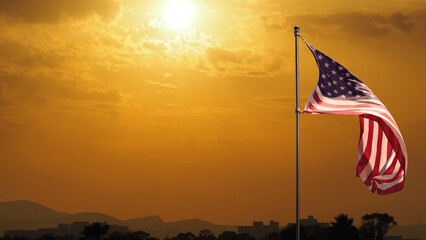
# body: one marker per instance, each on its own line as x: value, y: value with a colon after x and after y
x: 336, y: 82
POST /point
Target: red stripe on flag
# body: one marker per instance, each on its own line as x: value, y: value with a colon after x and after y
x: 395, y: 188
x: 364, y: 159
x: 397, y: 175
x: 375, y: 168
x: 391, y: 138
x: 390, y: 148
x: 391, y: 168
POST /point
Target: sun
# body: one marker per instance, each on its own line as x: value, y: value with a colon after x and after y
x: 178, y: 14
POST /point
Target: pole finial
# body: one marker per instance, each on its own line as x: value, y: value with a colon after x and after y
x: 296, y: 31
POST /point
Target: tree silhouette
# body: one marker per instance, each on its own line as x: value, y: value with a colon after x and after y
x: 94, y: 231
x: 139, y: 235
x: 142, y: 235
x: 272, y: 236
x: 343, y: 228
x: 375, y: 226
x: 306, y: 233
x: 184, y: 236
x: 65, y: 237
x: 14, y: 238
x: 228, y: 235
x: 206, y: 235
x: 289, y: 233
x: 244, y: 236
x: 116, y: 236
x: 46, y: 236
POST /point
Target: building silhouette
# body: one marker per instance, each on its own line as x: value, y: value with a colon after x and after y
x: 310, y: 222
x: 258, y: 230
x: 74, y: 229
x: 399, y: 238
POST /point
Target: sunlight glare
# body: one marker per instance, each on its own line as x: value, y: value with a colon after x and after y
x: 178, y: 14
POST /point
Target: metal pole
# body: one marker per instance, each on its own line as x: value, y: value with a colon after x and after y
x: 296, y: 36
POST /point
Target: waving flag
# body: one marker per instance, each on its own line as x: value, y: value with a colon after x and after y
x: 382, y: 155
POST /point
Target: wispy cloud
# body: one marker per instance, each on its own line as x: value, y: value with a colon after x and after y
x: 370, y: 24
x: 276, y: 101
x: 52, y: 11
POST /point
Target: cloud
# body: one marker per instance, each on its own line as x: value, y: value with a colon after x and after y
x: 161, y: 84
x: 276, y: 101
x: 352, y: 23
x: 242, y: 61
x: 109, y: 95
x: 402, y: 22
x: 3, y: 100
x: 419, y: 19
x: 273, y: 100
x: 41, y: 89
x: 16, y: 53
x: 222, y: 55
x: 155, y: 45
x: 167, y: 75
x: 53, y: 11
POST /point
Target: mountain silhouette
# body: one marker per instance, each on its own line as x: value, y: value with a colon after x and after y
x: 27, y: 215
x: 150, y: 221
x: 26, y: 210
x: 417, y: 231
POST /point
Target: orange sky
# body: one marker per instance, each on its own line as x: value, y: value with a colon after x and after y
x: 106, y: 107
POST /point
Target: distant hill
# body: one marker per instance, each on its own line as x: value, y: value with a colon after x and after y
x: 19, y: 210
x: 27, y: 215
x: 417, y: 231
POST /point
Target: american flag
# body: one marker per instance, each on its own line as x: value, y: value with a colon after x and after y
x: 382, y: 155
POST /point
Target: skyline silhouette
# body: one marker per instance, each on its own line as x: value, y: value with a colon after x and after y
x: 25, y: 217
x: 374, y: 226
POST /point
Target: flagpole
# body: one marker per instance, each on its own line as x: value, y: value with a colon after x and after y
x: 296, y: 37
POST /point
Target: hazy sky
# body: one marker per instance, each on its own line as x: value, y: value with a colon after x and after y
x: 124, y: 108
